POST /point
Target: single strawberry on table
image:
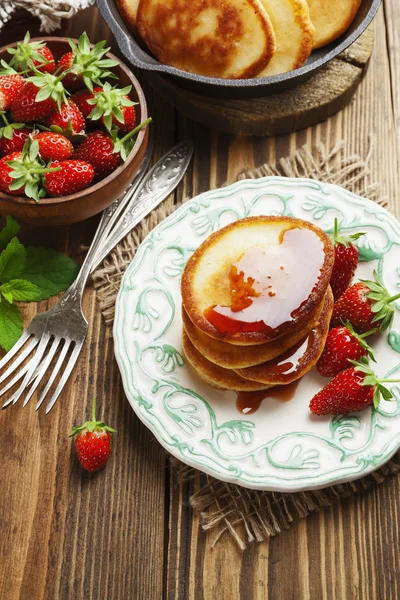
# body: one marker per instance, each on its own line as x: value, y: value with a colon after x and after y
x: 85, y: 65
x: 343, y: 345
x: 67, y: 177
x: 53, y: 146
x: 366, y: 304
x: 12, y: 136
x: 29, y: 54
x: 93, y: 442
x: 346, y: 261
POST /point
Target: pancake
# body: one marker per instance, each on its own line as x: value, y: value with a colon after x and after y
x: 287, y: 260
x: 238, y: 357
x: 218, y: 377
x: 331, y: 19
x: 217, y: 38
x: 128, y: 10
x: 294, y: 33
x: 297, y: 361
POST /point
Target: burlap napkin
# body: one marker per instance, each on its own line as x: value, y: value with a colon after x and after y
x: 50, y: 12
x: 227, y: 507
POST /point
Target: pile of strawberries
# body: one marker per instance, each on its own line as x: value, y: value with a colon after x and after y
x: 362, y: 309
x: 64, y: 125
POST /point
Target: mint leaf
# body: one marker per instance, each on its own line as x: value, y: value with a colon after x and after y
x: 19, y: 290
x: 12, y: 260
x: 51, y: 271
x: 11, y: 325
x: 8, y: 232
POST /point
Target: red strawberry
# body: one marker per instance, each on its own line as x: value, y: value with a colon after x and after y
x: 12, y: 136
x: 80, y: 98
x: 93, y: 442
x: 5, y: 170
x: 114, y: 108
x: 351, y: 390
x: 87, y: 65
x: 365, y: 304
x: 342, y: 345
x: 98, y: 150
x: 346, y: 261
x: 53, y: 146
x: 72, y: 176
x: 25, y: 108
x: 67, y: 118
x: 32, y: 54
x: 10, y: 85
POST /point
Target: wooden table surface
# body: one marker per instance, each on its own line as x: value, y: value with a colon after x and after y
x: 128, y: 533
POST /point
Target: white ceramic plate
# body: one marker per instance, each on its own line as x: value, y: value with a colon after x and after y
x: 281, y: 446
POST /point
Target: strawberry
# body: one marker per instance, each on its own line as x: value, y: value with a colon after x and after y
x: 351, y: 390
x: 71, y: 176
x: 98, y: 150
x: 80, y: 98
x: 114, y: 108
x: 12, y: 136
x: 5, y: 170
x: 342, y: 345
x: 66, y: 120
x: 25, y: 106
x: 53, y: 146
x: 346, y: 260
x: 10, y: 86
x: 86, y: 65
x: 32, y: 54
x: 93, y: 442
x: 365, y: 304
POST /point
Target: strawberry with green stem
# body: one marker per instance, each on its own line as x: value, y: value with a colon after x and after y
x: 10, y: 86
x: 28, y: 55
x: 12, y: 136
x: 67, y: 177
x: 365, y: 304
x: 114, y: 108
x: 86, y: 65
x: 67, y: 120
x: 351, y: 390
x: 346, y: 261
x: 93, y: 442
x: 41, y: 94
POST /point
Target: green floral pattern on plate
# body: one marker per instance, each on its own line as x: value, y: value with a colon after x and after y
x: 281, y: 446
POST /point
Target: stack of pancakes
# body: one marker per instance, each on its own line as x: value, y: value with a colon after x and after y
x: 237, y: 38
x: 256, y: 303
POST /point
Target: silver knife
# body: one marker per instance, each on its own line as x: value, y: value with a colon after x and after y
x: 161, y: 180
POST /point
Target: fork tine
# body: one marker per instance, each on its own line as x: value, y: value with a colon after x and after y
x: 14, y: 349
x: 71, y: 363
x: 40, y: 371
x: 33, y: 363
x: 20, y: 359
x: 12, y: 382
x: 60, y: 360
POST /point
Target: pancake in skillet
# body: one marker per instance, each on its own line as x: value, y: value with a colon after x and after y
x: 223, y: 379
x: 331, y: 19
x: 231, y: 356
x: 257, y: 279
x: 294, y: 33
x: 128, y: 10
x: 297, y: 361
x: 217, y: 38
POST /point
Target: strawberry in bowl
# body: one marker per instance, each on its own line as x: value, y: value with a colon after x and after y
x: 58, y: 163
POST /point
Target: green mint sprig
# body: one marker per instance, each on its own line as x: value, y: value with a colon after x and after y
x: 27, y: 275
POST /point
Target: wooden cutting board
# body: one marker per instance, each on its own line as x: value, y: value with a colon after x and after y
x: 324, y: 94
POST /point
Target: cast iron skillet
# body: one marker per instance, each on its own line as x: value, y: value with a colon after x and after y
x: 234, y: 88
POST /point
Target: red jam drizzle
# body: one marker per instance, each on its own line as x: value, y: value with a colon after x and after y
x: 269, y: 284
x: 249, y: 402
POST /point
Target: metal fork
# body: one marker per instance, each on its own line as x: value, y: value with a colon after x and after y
x: 64, y: 327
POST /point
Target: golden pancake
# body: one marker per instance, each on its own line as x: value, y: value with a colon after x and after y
x: 231, y: 356
x: 297, y: 361
x: 128, y: 10
x: 257, y: 279
x: 224, y: 379
x: 294, y: 33
x: 331, y: 19
x: 217, y: 38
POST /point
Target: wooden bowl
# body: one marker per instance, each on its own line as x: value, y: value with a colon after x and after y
x: 97, y: 197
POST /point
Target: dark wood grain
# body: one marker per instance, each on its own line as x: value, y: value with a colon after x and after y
x: 128, y: 532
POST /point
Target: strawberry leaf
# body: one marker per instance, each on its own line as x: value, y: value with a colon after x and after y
x: 11, y: 325
x: 19, y: 290
x: 51, y: 271
x: 12, y: 260
x: 8, y: 232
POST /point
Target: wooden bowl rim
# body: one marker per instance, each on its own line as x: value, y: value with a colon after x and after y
x: 97, y: 186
